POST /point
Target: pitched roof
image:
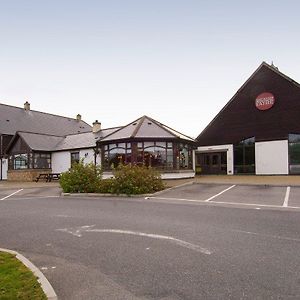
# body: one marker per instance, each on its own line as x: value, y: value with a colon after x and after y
x: 239, y: 118
x: 145, y: 127
x: 40, y: 142
x: 50, y: 143
x: 82, y: 140
x: 13, y: 119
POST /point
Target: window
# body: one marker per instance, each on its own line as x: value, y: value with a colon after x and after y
x: 20, y: 161
x: 184, y: 156
x: 294, y: 153
x: 74, y: 157
x: 244, y: 156
x: 42, y: 161
x: 154, y: 154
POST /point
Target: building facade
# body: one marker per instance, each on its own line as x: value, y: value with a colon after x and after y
x: 257, y: 131
x: 50, y: 127
x: 51, y: 144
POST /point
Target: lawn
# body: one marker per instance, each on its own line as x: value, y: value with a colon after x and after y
x: 16, y: 281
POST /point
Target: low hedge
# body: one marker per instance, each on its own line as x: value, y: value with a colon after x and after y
x: 128, y: 179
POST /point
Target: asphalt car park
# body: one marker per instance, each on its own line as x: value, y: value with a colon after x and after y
x: 164, y: 247
x: 33, y: 192
x: 248, y: 195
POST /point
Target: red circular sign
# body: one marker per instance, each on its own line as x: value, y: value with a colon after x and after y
x: 264, y: 101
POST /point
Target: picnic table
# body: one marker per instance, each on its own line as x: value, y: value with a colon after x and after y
x: 48, y: 177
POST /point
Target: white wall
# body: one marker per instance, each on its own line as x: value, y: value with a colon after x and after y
x: 4, y: 163
x: 271, y: 158
x: 61, y: 161
x: 227, y: 148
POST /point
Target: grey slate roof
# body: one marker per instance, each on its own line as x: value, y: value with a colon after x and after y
x: 83, y: 140
x: 145, y: 127
x: 50, y: 143
x: 13, y: 119
x: 41, y: 142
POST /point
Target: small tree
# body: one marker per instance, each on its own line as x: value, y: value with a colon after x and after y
x: 81, y: 178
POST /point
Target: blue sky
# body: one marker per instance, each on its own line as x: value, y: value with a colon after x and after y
x: 176, y: 61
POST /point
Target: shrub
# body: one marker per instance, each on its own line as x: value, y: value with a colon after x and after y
x: 132, y: 179
x: 81, y: 178
x: 106, y: 186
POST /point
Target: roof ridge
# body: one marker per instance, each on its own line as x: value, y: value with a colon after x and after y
x: 135, y: 131
x: 273, y: 69
x: 21, y: 131
x: 46, y: 113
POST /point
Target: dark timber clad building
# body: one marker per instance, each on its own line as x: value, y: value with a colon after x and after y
x: 258, y: 130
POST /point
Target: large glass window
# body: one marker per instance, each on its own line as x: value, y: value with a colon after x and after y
x: 294, y: 153
x: 115, y: 154
x: 29, y: 161
x: 156, y: 154
x: 184, y: 156
x: 244, y: 157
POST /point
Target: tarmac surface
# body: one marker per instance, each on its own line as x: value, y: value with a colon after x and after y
x: 197, y: 241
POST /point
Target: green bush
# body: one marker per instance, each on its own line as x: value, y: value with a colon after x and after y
x: 81, y: 178
x: 131, y: 179
x: 106, y: 186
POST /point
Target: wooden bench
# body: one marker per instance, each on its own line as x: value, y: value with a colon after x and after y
x: 42, y: 176
x: 53, y: 176
x: 48, y: 177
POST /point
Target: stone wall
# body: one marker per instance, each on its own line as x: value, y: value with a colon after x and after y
x: 26, y: 174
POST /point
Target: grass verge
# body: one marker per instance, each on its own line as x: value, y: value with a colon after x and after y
x: 16, y: 281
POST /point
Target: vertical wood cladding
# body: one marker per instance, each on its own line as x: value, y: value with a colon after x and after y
x: 240, y: 119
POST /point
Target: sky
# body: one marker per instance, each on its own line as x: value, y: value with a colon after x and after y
x: 178, y: 62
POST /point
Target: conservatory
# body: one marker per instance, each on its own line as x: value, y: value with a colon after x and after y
x: 150, y: 143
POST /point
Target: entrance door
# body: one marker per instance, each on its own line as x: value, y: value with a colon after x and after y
x: 212, y: 162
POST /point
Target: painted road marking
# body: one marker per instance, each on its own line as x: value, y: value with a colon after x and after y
x: 11, y: 194
x: 34, y: 197
x: 218, y: 202
x: 286, y: 198
x: 224, y: 191
x: 77, y: 231
x: 176, y: 199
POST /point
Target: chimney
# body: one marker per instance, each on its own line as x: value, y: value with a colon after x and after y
x: 26, y: 106
x: 96, y: 126
x: 78, y: 117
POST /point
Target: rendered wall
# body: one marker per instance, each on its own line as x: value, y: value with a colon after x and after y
x: 4, y: 163
x: 271, y: 158
x: 61, y: 161
x: 227, y: 148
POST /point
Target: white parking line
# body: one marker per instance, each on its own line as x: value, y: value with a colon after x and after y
x: 286, y: 198
x: 207, y: 200
x: 176, y: 199
x: 11, y: 194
